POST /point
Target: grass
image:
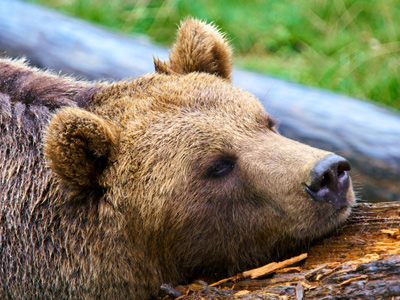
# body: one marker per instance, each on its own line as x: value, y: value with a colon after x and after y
x: 349, y: 46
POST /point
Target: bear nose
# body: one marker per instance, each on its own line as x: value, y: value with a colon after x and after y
x: 328, y: 180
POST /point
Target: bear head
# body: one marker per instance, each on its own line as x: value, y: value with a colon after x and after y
x: 193, y: 169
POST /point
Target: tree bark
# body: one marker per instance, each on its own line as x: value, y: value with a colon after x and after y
x: 366, y: 134
x: 360, y: 261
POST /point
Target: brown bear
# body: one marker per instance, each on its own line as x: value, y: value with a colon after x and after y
x: 109, y: 190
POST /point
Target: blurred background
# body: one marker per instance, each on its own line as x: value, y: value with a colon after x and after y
x: 348, y: 46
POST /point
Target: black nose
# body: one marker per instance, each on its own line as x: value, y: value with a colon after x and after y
x: 328, y: 180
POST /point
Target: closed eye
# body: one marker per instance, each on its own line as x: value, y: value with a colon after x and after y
x: 273, y: 124
x: 270, y: 122
x: 221, y: 168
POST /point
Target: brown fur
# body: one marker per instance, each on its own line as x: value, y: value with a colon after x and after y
x: 129, y: 198
x: 199, y: 47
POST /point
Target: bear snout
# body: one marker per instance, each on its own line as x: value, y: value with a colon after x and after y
x: 329, y: 182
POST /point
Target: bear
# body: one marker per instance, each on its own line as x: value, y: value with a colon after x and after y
x: 110, y: 189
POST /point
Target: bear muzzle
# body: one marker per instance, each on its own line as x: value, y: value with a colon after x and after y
x: 329, y: 182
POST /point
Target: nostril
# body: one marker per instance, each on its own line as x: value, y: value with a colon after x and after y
x: 343, y: 166
x: 325, y: 180
x: 328, y: 179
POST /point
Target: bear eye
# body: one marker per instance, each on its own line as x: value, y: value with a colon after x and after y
x: 273, y: 123
x: 270, y: 122
x: 221, y: 168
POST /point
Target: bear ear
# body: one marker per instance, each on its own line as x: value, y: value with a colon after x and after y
x: 78, y: 145
x: 199, y: 47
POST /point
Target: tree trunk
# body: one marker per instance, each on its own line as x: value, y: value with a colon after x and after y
x: 361, y: 261
x: 367, y: 135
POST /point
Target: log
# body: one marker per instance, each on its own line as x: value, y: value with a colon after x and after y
x: 366, y: 134
x: 360, y: 261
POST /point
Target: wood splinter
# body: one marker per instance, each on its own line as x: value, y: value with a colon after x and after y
x: 263, y: 271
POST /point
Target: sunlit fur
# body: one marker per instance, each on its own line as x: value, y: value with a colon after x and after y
x: 111, y: 196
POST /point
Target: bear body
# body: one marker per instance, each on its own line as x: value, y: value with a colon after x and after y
x: 109, y: 190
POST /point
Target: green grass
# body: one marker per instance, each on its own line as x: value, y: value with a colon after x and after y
x: 349, y: 46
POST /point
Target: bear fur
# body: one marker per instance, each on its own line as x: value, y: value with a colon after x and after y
x: 109, y: 190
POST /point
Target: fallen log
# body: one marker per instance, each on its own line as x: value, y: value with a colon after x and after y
x: 360, y: 261
x: 366, y: 134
